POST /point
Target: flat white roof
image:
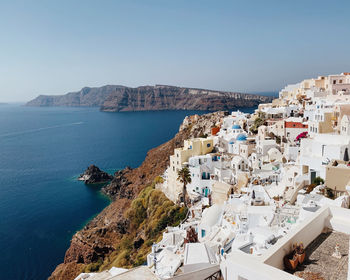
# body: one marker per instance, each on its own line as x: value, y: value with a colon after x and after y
x: 198, y: 253
x: 332, y: 139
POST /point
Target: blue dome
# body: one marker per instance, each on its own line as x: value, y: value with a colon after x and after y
x: 231, y: 142
x: 236, y: 126
x: 241, y: 137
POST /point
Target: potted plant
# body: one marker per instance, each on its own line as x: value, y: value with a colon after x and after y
x: 300, y: 252
x: 291, y: 260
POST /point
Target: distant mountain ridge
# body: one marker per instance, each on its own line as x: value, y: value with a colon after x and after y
x: 86, y: 97
x: 116, y: 98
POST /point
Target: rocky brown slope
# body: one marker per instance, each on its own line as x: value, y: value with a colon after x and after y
x: 103, y: 235
x: 159, y: 97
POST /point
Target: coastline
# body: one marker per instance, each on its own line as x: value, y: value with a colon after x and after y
x: 41, y: 175
x: 96, y: 241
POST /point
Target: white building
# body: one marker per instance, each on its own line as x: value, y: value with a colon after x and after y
x: 317, y: 152
x: 345, y: 125
x: 201, y: 169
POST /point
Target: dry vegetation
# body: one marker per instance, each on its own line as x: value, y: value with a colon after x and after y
x: 150, y: 213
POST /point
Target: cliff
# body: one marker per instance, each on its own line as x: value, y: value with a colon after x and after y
x: 122, y: 234
x: 145, y: 98
x: 86, y: 97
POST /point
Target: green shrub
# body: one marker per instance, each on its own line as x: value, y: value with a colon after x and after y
x: 140, y: 260
x: 93, y: 267
x: 257, y: 123
x: 318, y: 181
x: 149, y: 214
x: 126, y: 243
x: 158, y: 180
x: 139, y: 211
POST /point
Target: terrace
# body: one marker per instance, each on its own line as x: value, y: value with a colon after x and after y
x: 320, y: 264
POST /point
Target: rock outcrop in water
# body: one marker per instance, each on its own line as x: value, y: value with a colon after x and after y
x: 160, y: 97
x: 94, y: 175
x: 101, y: 241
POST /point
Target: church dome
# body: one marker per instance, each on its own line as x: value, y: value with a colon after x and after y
x: 236, y: 126
x: 241, y: 137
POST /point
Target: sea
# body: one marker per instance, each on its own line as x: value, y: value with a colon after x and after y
x: 42, y: 152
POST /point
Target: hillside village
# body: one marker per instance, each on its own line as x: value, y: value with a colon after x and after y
x: 267, y: 193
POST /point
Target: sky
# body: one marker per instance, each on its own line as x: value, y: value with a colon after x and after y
x: 54, y: 47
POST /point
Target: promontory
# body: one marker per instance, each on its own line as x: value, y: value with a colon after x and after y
x: 116, y: 98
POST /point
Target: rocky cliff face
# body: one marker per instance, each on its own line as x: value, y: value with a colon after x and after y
x: 102, y: 237
x: 120, y: 98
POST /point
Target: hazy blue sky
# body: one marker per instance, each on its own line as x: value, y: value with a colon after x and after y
x: 52, y: 47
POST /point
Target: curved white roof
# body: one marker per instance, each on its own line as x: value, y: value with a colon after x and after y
x: 237, y: 159
x: 211, y: 215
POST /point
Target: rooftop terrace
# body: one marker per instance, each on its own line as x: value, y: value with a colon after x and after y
x: 320, y: 264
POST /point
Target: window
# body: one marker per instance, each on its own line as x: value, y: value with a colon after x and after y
x: 190, y: 147
x: 208, y: 145
x: 203, y: 232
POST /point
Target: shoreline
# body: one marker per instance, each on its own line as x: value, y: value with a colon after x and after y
x: 98, y: 238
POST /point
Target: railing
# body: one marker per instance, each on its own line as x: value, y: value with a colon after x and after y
x: 184, y: 220
x: 228, y: 245
x: 214, y: 276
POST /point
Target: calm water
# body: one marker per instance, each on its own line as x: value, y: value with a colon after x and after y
x: 42, y: 151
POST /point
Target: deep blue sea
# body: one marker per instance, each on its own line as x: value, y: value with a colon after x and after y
x: 42, y: 151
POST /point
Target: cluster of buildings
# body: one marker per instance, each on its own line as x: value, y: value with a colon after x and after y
x: 260, y: 183
x: 258, y: 178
